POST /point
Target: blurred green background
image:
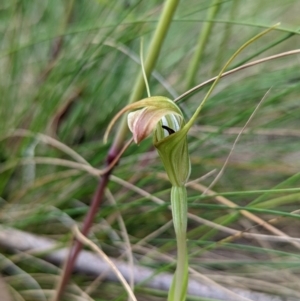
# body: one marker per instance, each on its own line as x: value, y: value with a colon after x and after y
x: 67, y: 67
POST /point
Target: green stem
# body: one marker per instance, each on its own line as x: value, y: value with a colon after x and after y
x: 202, y: 41
x: 179, y: 211
x: 153, y: 53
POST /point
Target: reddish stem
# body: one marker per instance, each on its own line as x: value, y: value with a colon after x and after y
x: 77, y: 245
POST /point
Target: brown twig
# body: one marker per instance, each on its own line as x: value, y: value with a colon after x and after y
x: 98, y: 196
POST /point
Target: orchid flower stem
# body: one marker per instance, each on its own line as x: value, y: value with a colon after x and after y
x: 179, y: 211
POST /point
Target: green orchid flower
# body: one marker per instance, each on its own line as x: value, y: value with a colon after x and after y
x: 162, y: 117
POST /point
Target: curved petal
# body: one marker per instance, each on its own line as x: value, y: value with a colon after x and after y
x: 155, y: 102
x: 143, y: 122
